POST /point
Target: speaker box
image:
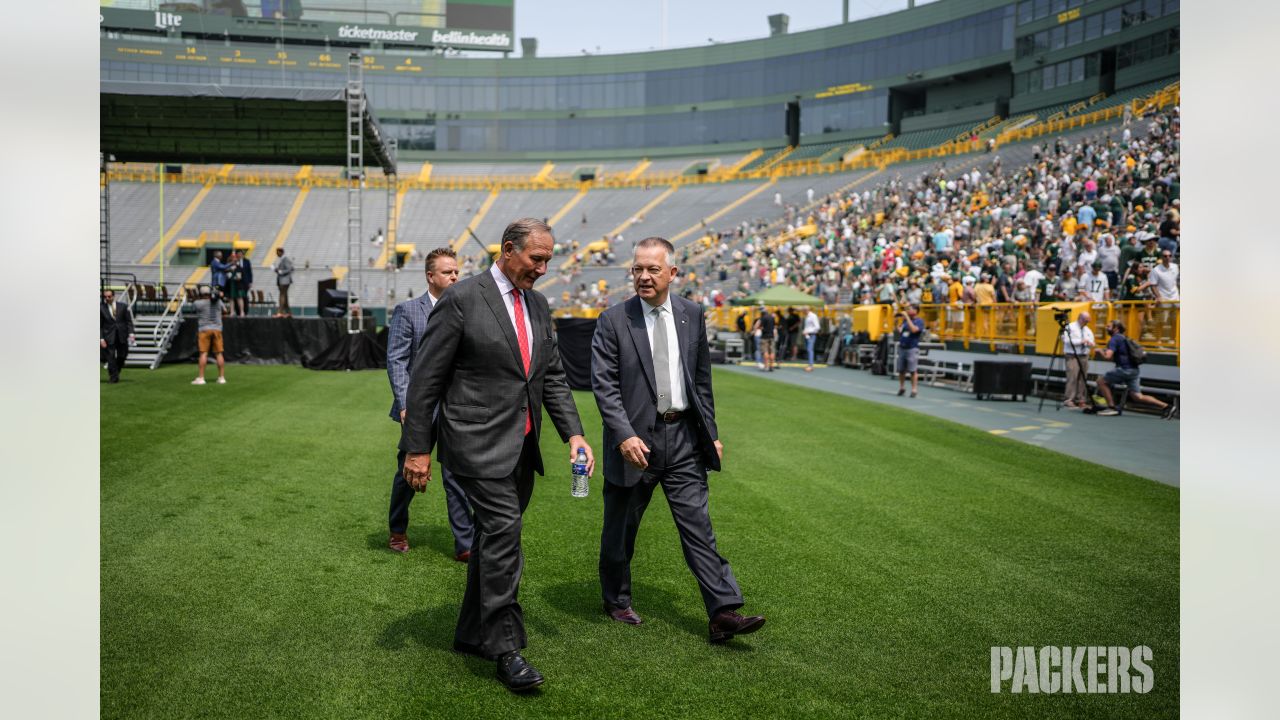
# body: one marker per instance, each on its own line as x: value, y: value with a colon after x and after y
x: 331, y: 302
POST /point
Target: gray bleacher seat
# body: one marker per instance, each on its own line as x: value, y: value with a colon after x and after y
x: 135, y: 215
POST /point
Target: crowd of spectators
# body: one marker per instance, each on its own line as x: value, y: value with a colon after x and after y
x: 1091, y: 219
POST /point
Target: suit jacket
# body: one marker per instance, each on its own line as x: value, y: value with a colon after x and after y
x: 404, y: 336
x: 623, y: 381
x: 115, y: 331
x: 219, y: 269
x: 468, y: 375
x: 284, y: 271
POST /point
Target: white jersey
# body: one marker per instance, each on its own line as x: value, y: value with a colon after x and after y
x: 1095, y: 286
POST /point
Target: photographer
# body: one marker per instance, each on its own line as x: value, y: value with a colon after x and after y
x: 209, y: 334
x: 1124, y: 373
x: 910, y: 329
x: 1077, y: 346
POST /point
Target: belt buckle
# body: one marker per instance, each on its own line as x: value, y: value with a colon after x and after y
x: 670, y: 416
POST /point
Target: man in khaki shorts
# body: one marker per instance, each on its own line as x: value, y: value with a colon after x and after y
x: 209, y: 338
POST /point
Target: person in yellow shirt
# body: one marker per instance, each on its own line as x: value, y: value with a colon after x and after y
x: 1069, y: 224
x: 955, y: 291
x: 985, y: 293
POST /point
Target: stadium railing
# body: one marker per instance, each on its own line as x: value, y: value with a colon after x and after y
x: 1153, y: 324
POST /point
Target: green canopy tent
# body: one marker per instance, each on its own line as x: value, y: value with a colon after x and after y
x: 780, y: 295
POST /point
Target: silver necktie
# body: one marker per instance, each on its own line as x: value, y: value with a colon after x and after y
x: 661, y: 363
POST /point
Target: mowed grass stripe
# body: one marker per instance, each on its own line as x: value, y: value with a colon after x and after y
x: 243, y: 573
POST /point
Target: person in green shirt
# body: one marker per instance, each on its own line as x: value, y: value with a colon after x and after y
x: 1150, y: 255
x: 1158, y: 197
x: 1049, y: 289
x: 1117, y: 210
x: 1129, y: 249
x: 1136, y: 284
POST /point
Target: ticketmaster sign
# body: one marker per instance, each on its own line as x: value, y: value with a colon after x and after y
x: 461, y: 24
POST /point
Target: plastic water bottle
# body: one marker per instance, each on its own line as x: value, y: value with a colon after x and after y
x: 579, y: 466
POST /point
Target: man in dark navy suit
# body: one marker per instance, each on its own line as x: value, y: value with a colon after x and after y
x: 115, y: 334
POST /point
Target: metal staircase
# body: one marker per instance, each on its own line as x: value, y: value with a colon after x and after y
x: 154, y: 334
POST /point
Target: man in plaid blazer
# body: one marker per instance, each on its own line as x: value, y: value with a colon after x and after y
x: 407, y: 330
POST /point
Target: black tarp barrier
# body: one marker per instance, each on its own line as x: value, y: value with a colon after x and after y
x: 283, y: 341
x: 325, y: 344
x: 573, y: 335
x: 358, y: 351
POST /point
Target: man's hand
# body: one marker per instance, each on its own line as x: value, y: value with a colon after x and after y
x: 719, y: 449
x: 402, y: 412
x: 634, y: 451
x: 577, y: 441
x: 102, y: 343
x: 417, y: 470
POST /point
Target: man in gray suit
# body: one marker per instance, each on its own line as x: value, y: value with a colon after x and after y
x: 651, y: 373
x: 404, y: 336
x: 284, y: 279
x: 487, y: 369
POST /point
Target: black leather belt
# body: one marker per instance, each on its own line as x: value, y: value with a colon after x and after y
x: 671, y: 416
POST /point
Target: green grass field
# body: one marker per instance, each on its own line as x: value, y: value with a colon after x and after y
x: 244, y: 573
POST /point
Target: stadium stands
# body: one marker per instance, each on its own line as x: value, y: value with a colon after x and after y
x: 256, y: 202
x: 928, y: 138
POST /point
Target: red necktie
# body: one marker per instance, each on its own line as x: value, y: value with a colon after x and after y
x: 523, y: 340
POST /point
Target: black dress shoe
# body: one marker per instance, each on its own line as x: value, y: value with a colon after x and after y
x: 729, y: 623
x: 517, y: 674
x: 623, y: 615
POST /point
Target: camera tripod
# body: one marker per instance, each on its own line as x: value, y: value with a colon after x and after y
x: 1060, y: 352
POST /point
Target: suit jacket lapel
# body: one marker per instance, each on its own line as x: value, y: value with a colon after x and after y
x: 489, y: 290
x: 640, y: 337
x: 541, y: 327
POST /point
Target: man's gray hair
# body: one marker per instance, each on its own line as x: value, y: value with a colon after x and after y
x: 518, y: 232
x: 663, y: 243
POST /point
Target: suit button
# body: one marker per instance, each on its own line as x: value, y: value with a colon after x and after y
x: 524, y: 409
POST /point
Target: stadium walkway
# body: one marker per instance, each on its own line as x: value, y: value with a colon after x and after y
x: 1136, y: 443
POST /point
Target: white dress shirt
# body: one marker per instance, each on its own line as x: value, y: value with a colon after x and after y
x: 505, y: 287
x: 1077, y: 340
x: 678, y: 399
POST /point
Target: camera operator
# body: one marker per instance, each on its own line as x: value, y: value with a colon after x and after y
x: 910, y: 330
x: 1077, y: 346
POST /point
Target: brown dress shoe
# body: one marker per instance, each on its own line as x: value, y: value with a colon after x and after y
x: 399, y: 542
x: 464, y: 556
x: 728, y: 623
x: 623, y: 615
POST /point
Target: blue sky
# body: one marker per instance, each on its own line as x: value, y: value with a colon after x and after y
x: 566, y: 27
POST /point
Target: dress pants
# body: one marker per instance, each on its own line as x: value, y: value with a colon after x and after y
x: 114, y: 355
x: 459, y: 511
x: 1077, y: 380
x: 675, y: 464
x: 491, y: 618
